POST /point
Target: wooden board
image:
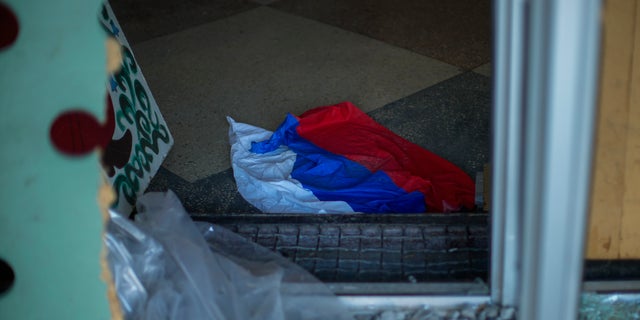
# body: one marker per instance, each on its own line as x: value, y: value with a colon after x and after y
x: 141, y: 139
x: 614, y: 203
x: 630, y: 229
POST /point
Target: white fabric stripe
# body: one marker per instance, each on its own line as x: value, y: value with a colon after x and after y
x: 265, y: 181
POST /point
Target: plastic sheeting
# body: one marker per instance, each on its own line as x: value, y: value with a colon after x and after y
x: 338, y: 159
x: 165, y: 266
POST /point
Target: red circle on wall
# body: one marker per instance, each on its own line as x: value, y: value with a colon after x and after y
x: 76, y: 132
x: 8, y: 26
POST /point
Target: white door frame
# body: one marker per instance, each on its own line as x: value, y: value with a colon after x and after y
x: 545, y: 83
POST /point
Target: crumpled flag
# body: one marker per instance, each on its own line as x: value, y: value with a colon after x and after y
x: 336, y: 159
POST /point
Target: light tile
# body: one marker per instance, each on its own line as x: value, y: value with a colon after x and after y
x: 485, y: 70
x: 261, y: 64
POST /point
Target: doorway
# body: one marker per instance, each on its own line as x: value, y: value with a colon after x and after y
x: 420, y: 68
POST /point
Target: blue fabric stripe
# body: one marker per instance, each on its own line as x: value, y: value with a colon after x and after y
x: 333, y: 177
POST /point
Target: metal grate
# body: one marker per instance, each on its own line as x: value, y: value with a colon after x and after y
x: 413, y: 248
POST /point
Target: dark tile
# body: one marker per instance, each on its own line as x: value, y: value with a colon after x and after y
x: 288, y: 253
x: 165, y: 180
x: 391, y: 273
x: 327, y: 255
x: 413, y: 232
x: 350, y: 243
x: 371, y: 231
x: 219, y: 193
x: 331, y: 231
x: 371, y: 243
x: 433, y: 230
x: 448, y: 257
x: 480, y: 264
x: 146, y: 19
x: 392, y: 244
x: 413, y: 244
x: 346, y: 275
x: 392, y: 258
x: 350, y: 255
x: 267, y: 241
x: 478, y: 230
x: 327, y: 264
x: 435, y: 243
x: 479, y: 242
x: 287, y: 241
x: 413, y: 270
x: 328, y: 242
x: 306, y: 254
x: 309, y: 230
x: 307, y: 264
x: 348, y: 265
x: 215, y: 194
x: 290, y: 230
x: 450, y: 119
x: 370, y: 265
x: 456, y: 242
x: 392, y: 231
x: 479, y: 254
x: 248, y: 229
x: 268, y: 230
x: 457, y: 230
x: 456, y: 32
x: 374, y: 276
x: 372, y: 257
x: 350, y: 230
x: 447, y: 267
x: 325, y: 274
x: 415, y: 258
x: 308, y: 241
x: 461, y: 272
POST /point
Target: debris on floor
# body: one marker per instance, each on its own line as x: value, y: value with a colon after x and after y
x: 609, y: 306
x: 336, y: 159
x: 165, y: 266
x: 457, y: 312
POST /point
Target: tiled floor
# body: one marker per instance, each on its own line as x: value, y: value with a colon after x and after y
x: 422, y: 68
x: 456, y: 32
x: 419, y: 67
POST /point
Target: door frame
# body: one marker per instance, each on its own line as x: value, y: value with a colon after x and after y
x: 546, y: 68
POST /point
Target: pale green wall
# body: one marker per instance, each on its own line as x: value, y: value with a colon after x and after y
x: 50, y: 225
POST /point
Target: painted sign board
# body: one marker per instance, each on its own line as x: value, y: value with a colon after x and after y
x: 141, y: 138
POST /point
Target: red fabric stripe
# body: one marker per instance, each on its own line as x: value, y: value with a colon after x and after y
x: 345, y: 130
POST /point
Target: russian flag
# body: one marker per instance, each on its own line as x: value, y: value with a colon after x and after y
x: 337, y: 159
